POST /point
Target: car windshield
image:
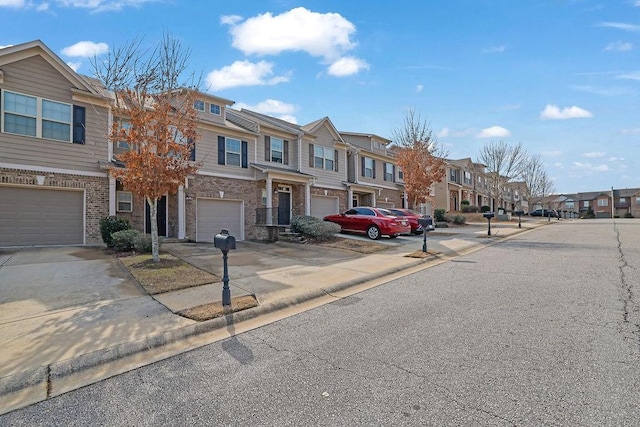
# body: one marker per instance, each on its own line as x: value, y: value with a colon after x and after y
x: 386, y: 212
x: 397, y: 212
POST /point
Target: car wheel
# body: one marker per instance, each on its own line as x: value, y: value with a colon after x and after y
x: 373, y: 232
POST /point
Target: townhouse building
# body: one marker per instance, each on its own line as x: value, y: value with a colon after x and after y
x: 464, y: 180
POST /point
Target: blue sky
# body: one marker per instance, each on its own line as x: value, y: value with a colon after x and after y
x: 560, y: 76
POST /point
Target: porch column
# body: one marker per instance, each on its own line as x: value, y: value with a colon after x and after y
x: 374, y: 200
x: 406, y: 200
x: 182, y: 220
x: 307, y: 199
x: 269, y: 201
x: 112, y: 196
x: 459, y: 199
x: 350, y: 197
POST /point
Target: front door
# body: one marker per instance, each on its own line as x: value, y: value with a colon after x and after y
x: 162, y: 217
x: 284, y: 208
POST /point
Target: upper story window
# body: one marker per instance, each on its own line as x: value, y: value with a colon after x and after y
x: 467, y: 177
x: 637, y: 200
x: 324, y: 158
x: 368, y: 167
x: 453, y: 175
x: 400, y: 173
x: 277, y: 150
x: 198, y: 105
x: 623, y: 200
x: 123, y: 125
x: 37, y: 117
x: 603, y: 202
x: 232, y: 152
x: 586, y: 204
x: 214, y: 109
x: 389, y: 170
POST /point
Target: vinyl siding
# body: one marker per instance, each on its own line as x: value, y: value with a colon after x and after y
x: 325, y: 177
x: 293, y: 150
x: 207, y: 153
x: 34, y: 76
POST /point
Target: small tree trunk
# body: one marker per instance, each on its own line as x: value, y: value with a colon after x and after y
x: 153, y: 210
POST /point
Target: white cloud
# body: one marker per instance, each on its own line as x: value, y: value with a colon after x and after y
x: 494, y: 132
x: 620, y: 26
x: 616, y: 159
x: 634, y: 75
x: 74, y: 65
x: 272, y: 107
x: 552, y: 153
x: 603, y: 91
x: 558, y: 165
x: 85, y: 49
x: 42, y: 7
x: 8, y: 45
x: 495, y: 49
x: 102, y: 5
x: 12, y: 3
x: 419, y: 88
x: 244, y: 73
x: 619, y: 46
x: 444, y: 132
x: 347, y: 66
x: 588, y: 167
x: 594, y: 154
x: 635, y: 131
x: 552, y: 112
x: 230, y: 19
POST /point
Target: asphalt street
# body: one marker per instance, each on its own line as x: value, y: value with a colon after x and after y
x: 540, y: 329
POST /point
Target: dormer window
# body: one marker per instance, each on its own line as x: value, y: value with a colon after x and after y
x: 198, y: 105
x: 214, y: 109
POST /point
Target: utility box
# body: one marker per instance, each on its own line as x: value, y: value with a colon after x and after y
x: 224, y: 242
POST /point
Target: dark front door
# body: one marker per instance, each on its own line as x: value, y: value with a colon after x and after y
x: 284, y: 208
x: 162, y: 217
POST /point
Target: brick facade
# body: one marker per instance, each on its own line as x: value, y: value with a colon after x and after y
x: 96, y: 194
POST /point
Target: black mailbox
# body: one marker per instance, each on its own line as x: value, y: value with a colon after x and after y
x: 223, y: 241
x: 488, y: 215
x: 426, y: 223
x: 519, y: 213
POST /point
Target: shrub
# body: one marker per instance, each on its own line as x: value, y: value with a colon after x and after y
x: 142, y: 243
x: 457, y: 219
x: 470, y: 209
x: 484, y: 208
x: 628, y: 215
x: 124, y: 240
x: 110, y: 225
x: 439, y: 215
x: 465, y: 203
x: 314, y: 228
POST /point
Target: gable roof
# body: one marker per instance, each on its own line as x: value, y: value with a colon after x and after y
x: 313, y: 127
x: 30, y: 49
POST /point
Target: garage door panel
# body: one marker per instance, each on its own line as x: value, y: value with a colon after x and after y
x: 34, y: 216
x: 322, y: 206
x: 215, y: 215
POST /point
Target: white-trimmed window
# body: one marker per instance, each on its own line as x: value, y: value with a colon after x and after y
x: 324, y: 157
x: 603, y: 202
x: 123, y: 124
x: 198, y: 105
x: 214, y: 109
x: 467, y: 177
x: 623, y: 200
x: 233, y: 151
x: 637, y: 200
x: 368, y: 168
x: 124, y: 201
x: 388, y: 172
x: 37, y: 117
x: 586, y: 203
x: 277, y: 150
x: 400, y: 173
x: 264, y: 197
x: 568, y: 205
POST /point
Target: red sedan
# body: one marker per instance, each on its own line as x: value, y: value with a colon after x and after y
x: 375, y: 222
x: 412, y: 217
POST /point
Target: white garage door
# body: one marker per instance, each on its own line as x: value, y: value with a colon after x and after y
x: 385, y: 205
x: 35, y: 216
x: 212, y: 216
x: 322, y: 206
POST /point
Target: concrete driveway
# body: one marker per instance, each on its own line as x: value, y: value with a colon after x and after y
x: 58, y: 303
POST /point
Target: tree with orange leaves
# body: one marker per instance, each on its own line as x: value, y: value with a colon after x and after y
x: 420, y: 156
x: 155, y: 117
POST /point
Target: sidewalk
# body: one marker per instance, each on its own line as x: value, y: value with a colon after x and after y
x: 285, y: 277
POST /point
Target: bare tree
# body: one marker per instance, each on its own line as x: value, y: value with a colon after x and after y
x: 539, y: 185
x: 420, y: 156
x: 503, y: 164
x: 160, y: 120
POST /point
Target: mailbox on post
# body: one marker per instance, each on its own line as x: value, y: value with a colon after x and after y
x: 427, y: 225
x: 225, y: 243
x: 489, y: 215
x: 519, y: 213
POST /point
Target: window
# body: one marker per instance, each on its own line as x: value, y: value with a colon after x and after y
x: 603, y: 202
x: 277, y: 150
x: 123, y: 125
x: 400, y: 173
x: 453, y: 175
x: 568, y: 205
x: 637, y: 200
x: 324, y: 157
x: 198, y: 105
x: 586, y: 203
x: 37, y: 117
x: 389, y: 172
x: 214, y: 109
x: 264, y: 197
x: 124, y: 201
x: 368, y: 170
x: 623, y: 200
x: 467, y: 177
x: 232, y: 152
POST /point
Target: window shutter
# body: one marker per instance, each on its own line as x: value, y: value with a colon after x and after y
x: 363, y: 163
x: 192, y: 150
x: 245, y: 163
x: 78, y: 124
x: 221, y: 151
x: 394, y: 172
x: 373, y: 166
x: 311, y: 155
x: 267, y: 148
x: 285, y: 148
x: 384, y: 170
x: 335, y: 160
